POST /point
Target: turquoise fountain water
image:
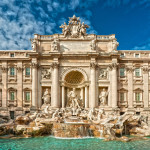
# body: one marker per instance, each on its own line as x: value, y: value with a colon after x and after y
x: 50, y: 143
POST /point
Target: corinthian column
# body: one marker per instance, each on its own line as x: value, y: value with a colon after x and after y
x: 92, y: 103
x: 55, y: 86
x: 114, y: 84
x: 86, y: 97
x: 145, y: 86
x: 63, y: 96
x: 34, y: 85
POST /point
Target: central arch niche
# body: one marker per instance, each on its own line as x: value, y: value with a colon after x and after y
x: 74, y: 78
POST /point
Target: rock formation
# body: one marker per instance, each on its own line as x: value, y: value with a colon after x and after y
x: 67, y: 122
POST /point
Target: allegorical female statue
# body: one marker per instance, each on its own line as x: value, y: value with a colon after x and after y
x: 103, y: 97
x: 46, y: 97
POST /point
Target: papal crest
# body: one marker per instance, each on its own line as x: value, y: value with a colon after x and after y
x: 74, y: 28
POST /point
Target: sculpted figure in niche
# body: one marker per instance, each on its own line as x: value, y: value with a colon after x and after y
x: 114, y: 45
x: 72, y: 99
x: 93, y: 44
x: 46, y: 97
x: 33, y: 43
x: 103, y: 97
x: 103, y: 74
x: 55, y: 45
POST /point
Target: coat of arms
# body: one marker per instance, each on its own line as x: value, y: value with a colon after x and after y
x: 74, y: 28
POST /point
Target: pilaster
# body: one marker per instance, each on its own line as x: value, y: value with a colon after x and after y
x: 145, y: 86
x: 34, y: 83
x: 92, y: 103
x: 19, y: 85
x: 4, y: 83
x: 114, y: 96
x: 130, y: 70
x: 55, y: 86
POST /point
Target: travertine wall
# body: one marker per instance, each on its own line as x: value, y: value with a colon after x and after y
x: 100, y: 67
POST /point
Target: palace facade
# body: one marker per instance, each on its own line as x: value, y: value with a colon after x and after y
x: 100, y: 75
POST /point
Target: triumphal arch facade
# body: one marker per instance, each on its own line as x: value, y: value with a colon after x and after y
x: 74, y: 69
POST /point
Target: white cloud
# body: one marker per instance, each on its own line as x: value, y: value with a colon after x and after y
x: 19, y: 20
x: 143, y: 46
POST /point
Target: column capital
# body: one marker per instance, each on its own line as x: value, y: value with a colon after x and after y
x: 34, y: 65
x: 55, y: 65
x: 4, y: 69
x: 130, y: 69
x: 19, y: 69
x: 145, y: 69
x: 93, y: 65
x: 113, y: 66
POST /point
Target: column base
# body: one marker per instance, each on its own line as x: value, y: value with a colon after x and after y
x: 33, y: 109
x: 131, y: 109
x: 146, y: 109
x: 3, y: 108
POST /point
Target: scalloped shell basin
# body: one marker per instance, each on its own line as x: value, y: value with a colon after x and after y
x: 51, y: 143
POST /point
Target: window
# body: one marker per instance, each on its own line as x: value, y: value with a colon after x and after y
x: 12, y: 96
x: 137, y: 72
x: 27, y: 96
x: 137, y: 55
x: 27, y: 55
x: 137, y: 97
x: 12, y: 71
x: 121, y: 97
x: 27, y: 71
x: 122, y: 72
x: 12, y: 55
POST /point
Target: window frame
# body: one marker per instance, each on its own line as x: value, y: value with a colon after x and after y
x: 10, y: 95
x: 26, y: 71
x: 12, y: 73
x: 135, y: 72
x: 25, y: 96
x: 120, y: 72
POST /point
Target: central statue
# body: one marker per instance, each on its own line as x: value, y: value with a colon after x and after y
x: 73, y: 99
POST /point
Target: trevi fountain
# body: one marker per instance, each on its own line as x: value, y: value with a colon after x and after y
x: 77, y: 100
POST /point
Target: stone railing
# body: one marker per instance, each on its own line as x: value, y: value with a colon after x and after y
x: 14, y: 78
x: 26, y: 103
x: 105, y: 37
x: 44, y: 37
x: 123, y: 104
x: 140, y: 103
x: 27, y: 78
x: 12, y: 103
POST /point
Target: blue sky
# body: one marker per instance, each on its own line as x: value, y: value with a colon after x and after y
x: 128, y: 19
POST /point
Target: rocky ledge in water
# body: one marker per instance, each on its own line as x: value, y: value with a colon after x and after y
x: 77, y: 123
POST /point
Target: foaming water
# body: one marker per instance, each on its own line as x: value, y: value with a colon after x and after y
x: 51, y: 143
